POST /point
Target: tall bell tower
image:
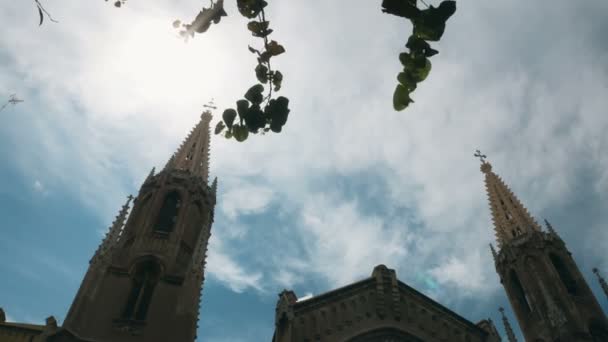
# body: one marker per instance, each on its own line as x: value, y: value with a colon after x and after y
x: 144, y: 282
x: 550, y: 297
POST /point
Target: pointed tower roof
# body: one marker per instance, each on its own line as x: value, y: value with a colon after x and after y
x: 510, y: 334
x: 193, y: 153
x: 509, y: 216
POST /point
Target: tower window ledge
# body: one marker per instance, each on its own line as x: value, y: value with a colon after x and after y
x: 159, y: 234
x: 131, y: 326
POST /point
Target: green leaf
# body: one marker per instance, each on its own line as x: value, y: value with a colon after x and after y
x: 228, y: 134
x: 421, y: 70
x: 229, y: 115
x: 250, y: 8
x: 419, y: 47
x: 255, y: 119
x: 406, y: 60
x: 254, y: 94
x: 401, y: 98
x: 240, y: 132
x: 242, y: 106
x: 177, y: 24
x: 274, y: 48
x: 407, y: 81
x: 402, y: 8
x: 261, y: 72
x: 277, y: 79
x: 430, y: 24
x: 277, y: 111
x: 219, y: 127
x: 259, y: 28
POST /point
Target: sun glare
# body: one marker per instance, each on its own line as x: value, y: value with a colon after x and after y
x: 151, y: 58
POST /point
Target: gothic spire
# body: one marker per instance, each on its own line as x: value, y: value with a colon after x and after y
x: 193, y: 153
x: 508, y: 329
x: 510, y: 217
x: 113, y: 232
x: 602, y: 281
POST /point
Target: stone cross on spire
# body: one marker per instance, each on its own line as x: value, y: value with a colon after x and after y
x: 602, y: 281
x: 193, y: 154
x: 482, y: 157
x: 511, y: 219
x: 508, y: 329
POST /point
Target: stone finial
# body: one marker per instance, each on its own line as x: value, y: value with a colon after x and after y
x: 550, y: 227
x: 510, y: 334
x: 214, y: 188
x: 289, y: 296
x: 603, y: 283
x: 511, y: 219
x: 51, y: 323
x: 113, y: 232
x: 2, y: 316
x: 488, y: 325
x: 151, y: 174
x: 284, y: 309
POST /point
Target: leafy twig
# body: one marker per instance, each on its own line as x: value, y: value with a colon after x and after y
x: 42, y: 11
x: 256, y: 112
x: 428, y: 25
x: 203, y: 20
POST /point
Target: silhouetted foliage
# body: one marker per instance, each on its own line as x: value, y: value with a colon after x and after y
x: 256, y: 112
x: 260, y: 113
x: 203, y: 20
x: 428, y: 25
x: 42, y: 12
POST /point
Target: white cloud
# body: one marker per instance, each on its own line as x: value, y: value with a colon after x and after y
x: 465, y: 275
x: 38, y: 186
x: 244, y: 199
x: 341, y: 245
x: 223, y: 267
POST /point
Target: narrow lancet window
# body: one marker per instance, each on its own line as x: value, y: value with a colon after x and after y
x: 564, y: 274
x: 519, y: 293
x: 168, y: 213
x: 143, y: 282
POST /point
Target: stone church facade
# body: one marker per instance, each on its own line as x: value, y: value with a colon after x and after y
x: 144, y: 282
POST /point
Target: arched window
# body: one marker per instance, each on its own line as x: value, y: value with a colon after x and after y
x: 143, y: 282
x: 564, y: 274
x: 518, y: 291
x: 168, y: 213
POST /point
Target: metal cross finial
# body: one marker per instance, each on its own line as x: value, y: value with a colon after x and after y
x: 481, y: 157
x: 210, y: 105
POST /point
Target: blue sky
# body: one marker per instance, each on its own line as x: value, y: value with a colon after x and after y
x: 109, y: 93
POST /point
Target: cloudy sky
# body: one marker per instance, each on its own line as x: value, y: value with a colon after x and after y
x: 349, y: 183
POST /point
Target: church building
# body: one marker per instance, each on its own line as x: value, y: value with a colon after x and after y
x: 144, y: 282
